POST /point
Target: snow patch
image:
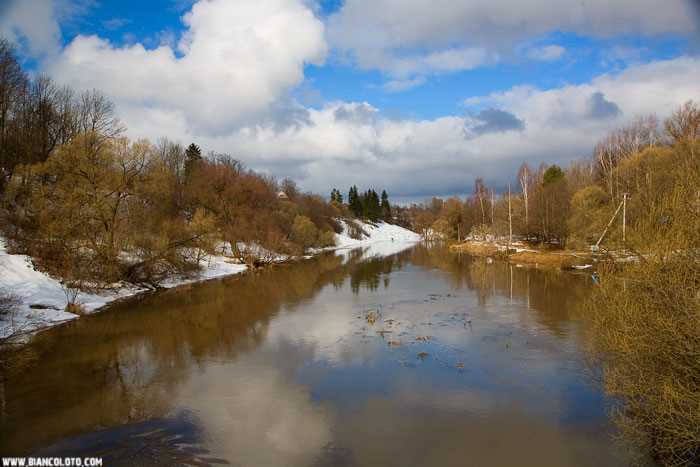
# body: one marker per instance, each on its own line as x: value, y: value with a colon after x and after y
x: 382, y: 239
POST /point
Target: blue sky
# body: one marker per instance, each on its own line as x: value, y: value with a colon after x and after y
x: 132, y: 21
x: 383, y: 92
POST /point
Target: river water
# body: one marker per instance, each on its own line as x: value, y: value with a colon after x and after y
x: 414, y: 359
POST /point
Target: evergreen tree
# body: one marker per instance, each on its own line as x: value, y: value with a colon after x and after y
x: 385, y: 206
x: 355, y: 202
x: 370, y: 205
x: 552, y: 175
x: 193, y: 155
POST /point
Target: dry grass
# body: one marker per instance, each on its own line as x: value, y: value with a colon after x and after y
x: 551, y: 259
x: 477, y: 248
x: 562, y: 260
x: 75, y: 308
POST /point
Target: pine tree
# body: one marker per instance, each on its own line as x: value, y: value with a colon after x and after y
x: 193, y: 155
x: 385, y: 206
x: 370, y: 205
x: 355, y: 202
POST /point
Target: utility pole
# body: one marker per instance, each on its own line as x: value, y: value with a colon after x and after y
x: 612, y: 219
x: 624, y: 217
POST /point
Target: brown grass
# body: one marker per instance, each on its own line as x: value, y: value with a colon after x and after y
x: 563, y: 259
x: 476, y: 248
x: 75, y: 308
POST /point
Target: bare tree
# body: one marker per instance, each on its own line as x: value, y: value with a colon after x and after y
x: 480, y: 191
x: 96, y: 115
x: 524, y: 179
x: 684, y: 124
x: 621, y: 144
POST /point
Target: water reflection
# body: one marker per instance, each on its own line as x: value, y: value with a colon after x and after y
x: 464, y: 363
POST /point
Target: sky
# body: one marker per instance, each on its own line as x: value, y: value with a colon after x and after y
x: 418, y: 97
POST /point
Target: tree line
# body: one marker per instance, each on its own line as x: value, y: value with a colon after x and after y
x: 570, y: 206
x: 93, y: 207
x: 367, y: 205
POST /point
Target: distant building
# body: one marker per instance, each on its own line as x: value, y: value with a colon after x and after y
x: 282, y: 195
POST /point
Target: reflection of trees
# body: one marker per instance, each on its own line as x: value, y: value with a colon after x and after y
x: 119, y: 366
x: 374, y: 272
x: 552, y: 294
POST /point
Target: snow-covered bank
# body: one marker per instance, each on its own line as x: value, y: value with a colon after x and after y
x: 382, y: 239
x: 42, y: 298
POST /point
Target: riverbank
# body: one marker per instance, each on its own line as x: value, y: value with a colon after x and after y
x: 521, y: 254
x: 42, y: 298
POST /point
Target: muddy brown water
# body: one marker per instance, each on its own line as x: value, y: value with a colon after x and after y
x: 461, y: 363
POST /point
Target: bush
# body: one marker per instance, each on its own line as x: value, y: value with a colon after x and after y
x: 481, y: 232
x: 355, y: 230
x: 304, y: 232
x: 646, y: 328
x: 590, y: 212
x: 75, y: 308
x: 8, y: 302
x: 326, y: 239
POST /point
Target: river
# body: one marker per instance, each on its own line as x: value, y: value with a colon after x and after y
x: 420, y: 358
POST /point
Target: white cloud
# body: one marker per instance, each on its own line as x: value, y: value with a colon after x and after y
x: 32, y: 22
x: 378, y: 33
x: 547, y: 53
x: 235, y: 60
x: 226, y: 86
x: 344, y: 143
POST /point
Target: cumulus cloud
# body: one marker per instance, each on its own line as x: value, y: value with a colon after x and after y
x: 380, y: 34
x: 234, y: 61
x: 32, y: 23
x: 343, y: 143
x: 226, y: 85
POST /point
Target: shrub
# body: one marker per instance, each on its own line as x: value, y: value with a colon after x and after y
x: 75, y: 308
x: 326, y: 238
x: 8, y: 302
x: 355, y: 230
x: 304, y: 232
